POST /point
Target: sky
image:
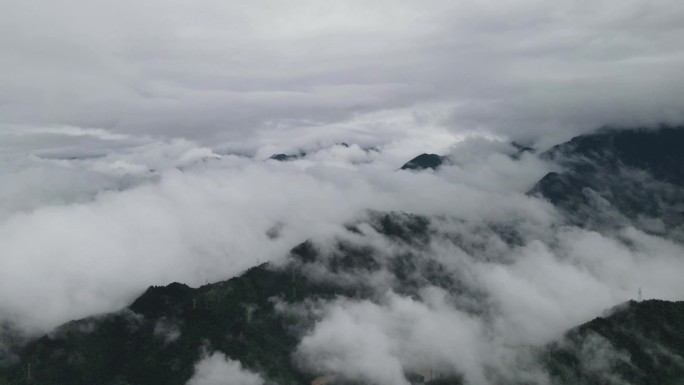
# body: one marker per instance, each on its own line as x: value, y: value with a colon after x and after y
x: 217, y: 71
x: 135, y: 137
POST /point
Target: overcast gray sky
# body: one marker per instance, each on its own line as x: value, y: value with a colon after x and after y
x: 214, y: 71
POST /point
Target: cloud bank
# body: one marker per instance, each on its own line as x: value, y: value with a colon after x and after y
x: 92, y: 232
x: 149, y: 212
x: 504, y: 303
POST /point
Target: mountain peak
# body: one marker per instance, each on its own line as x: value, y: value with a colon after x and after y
x: 424, y: 161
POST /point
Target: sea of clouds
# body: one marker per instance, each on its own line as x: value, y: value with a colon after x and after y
x: 82, y: 235
x: 135, y: 143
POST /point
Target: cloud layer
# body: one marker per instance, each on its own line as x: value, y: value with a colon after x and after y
x: 134, y: 146
x: 505, y: 301
x: 92, y: 232
x: 217, y: 71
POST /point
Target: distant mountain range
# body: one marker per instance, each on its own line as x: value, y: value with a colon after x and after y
x: 161, y: 336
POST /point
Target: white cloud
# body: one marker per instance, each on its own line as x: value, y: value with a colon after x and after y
x: 217, y: 369
x: 91, y: 233
x: 102, y: 229
x: 377, y: 342
x: 219, y: 71
x: 509, y: 300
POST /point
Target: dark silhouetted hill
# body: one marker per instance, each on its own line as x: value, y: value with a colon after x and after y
x: 424, y: 161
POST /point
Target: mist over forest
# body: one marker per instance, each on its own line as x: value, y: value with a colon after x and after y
x: 443, y: 192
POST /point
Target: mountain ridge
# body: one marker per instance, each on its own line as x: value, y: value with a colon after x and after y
x: 164, y: 332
